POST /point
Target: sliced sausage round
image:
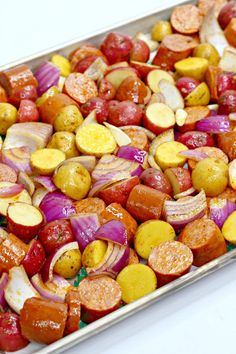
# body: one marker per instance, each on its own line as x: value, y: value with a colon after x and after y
x: 205, y: 240
x: 80, y: 87
x: 74, y: 310
x: 170, y: 260
x: 7, y: 174
x: 99, y: 296
x: 186, y: 19
x: 42, y: 320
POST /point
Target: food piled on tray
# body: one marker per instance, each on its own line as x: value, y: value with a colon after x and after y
x: 117, y: 172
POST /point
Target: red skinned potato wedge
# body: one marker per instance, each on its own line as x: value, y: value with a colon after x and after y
x: 24, y: 220
x: 158, y: 118
x: 119, y: 192
x: 116, y: 76
x: 179, y: 178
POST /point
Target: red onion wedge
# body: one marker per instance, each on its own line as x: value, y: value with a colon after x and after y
x: 114, y: 260
x: 180, y: 213
x: 46, y: 182
x: 106, y: 180
x: 114, y: 231
x: 11, y: 191
x: 47, y: 270
x: 215, y: 124
x: 3, y: 284
x: 132, y: 153
x: 18, y: 158
x: 111, y: 163
x: 18, y: 289
x: 195, y: 154
x: 84, y: 227
x: 27, y: 182
x: 49, y: 290
x: 33, y: 135
x: 56, y: 205
x: 38, y: 196
x: 47, y: 75
x: 220, y: 209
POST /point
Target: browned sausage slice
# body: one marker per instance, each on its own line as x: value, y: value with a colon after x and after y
x: 43, y: 321
x: 145, y: 203
x: 170, y: 260
x: 16, y: 78
x: 90, y: 205
x: 74, y: 310
x: 80, y: 87
x: 99, y: 296
x: 186, y: 19
x: 205, y: 240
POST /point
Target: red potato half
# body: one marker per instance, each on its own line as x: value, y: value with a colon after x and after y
x: 24, y: 220
x: 158, y: 118
x: 179, y: 178
x: 116, y: 76
x: 119, y: 192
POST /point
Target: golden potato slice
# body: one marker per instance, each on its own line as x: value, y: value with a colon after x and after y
x: 44, y: 161
x: 95, y: 139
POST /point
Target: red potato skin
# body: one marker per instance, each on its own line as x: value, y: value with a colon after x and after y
x: 143, y: 68
x: 196, y: 139
x: 186, y: 85
x: 227, y: 102
x: 7, y: 174
x: 154, y: 127
x: 119, y: 192
x: 42, y: 320
x: 157, y: 180
x: 25, y: 233
x: 91, y: 314
x: 115, y: 211
x: 145, y: 203
x: 74, y: 311
x: 166, y: 58
x: 12, y: 251
x: 182, y: 177
x: 106, y: 91
x: 116, y: 47
x: 34, y: 258
x: 11, y: 338
x: 226, y: 81
x: 204, y: 239
x: 101, y: 107
x: 55, y: 234
x: 124, y: 113
x: 17, y: 78
x: 27, y: 112
x: 226, y: 14
x: 85, y: 63
x: 140, y: 51
x: 83, y: 52
x: 26, y: 93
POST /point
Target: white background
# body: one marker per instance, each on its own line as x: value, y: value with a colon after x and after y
x: 198, y: 319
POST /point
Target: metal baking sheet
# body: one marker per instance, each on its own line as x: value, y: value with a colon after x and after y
x: 144, y: 24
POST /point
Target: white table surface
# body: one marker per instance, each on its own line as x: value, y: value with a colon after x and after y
x: 198, y: 319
